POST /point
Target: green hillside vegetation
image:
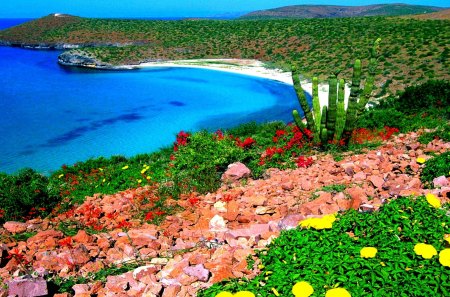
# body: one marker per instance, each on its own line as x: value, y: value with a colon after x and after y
x: 413, y: 50
x: 335, y: 11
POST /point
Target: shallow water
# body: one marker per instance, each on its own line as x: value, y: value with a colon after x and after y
x: 52, y: 115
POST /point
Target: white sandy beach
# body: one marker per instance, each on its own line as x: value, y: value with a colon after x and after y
x: 245, y: 67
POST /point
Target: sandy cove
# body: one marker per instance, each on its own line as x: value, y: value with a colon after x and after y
x: 245, y: 67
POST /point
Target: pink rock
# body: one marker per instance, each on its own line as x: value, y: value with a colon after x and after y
x: 328, y: 208
x: 27, y: 287
x: 15, y: 227
x: 235, y: 172
x: 255, y: 200
x: 197, y: 271
x: 82, y: 237
x: 360, y: 176
x: 438, y: 182
x: 171, y: 291
x: 290, y: 221
x: 305, y: 184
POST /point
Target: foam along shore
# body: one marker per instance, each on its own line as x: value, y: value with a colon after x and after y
x: 245, y: 67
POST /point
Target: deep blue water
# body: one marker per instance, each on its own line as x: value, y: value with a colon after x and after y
x: 52, y: 115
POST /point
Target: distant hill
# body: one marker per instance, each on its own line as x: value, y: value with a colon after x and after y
x: 335, y: 11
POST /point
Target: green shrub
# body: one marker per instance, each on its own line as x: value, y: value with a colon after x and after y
x: 440, y: 133
x: 378, y: 118
x: 435, y: 167
x: 25, y: 195
x: 433, y: 93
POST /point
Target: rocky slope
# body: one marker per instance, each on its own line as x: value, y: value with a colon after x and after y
x: 212, y: 237
x: 335, y: 11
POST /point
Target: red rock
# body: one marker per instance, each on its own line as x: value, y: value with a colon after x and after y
x: 25, y: 287
x: 255, y: 200
x: 142, y: 237
x: 145, y: 273
x: 220, y: 272
x: 305, y: 184
x: 82, y: 237
x: 199, y: 256
x: 287, y: 186
x: 328, y: 208
x: 377, y: 181
x: 235, y: 172
x: 15, y: 227
x: 48, y: 237
x: 56, y: 295
x: 173, y: 268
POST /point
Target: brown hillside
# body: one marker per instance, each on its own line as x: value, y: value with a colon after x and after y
x: 439, y: 15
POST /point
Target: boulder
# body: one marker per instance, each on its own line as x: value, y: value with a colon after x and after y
x: 235, y: 172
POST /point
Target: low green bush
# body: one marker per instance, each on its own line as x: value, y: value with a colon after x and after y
x: 442, y: 132
x: 379, y: 118
x: 431, y: 94
x: 25, y: 195
x: 435, y: 167
x: 331, y: 258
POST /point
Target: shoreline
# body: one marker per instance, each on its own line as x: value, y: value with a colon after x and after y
x: 247, y: 67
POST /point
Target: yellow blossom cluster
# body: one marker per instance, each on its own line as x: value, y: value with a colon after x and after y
x: 325, y: 222
x: 368, y: 252
x: 433, y: 200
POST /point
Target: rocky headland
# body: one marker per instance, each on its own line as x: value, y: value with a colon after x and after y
x: 212, y: 237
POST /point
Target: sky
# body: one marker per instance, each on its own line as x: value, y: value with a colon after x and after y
x: 167, y: 8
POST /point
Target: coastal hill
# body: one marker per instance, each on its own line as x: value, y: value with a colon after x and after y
x: 413, y: 50
x: 335, y: 11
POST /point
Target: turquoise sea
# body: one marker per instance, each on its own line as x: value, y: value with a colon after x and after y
x: 52, y: 115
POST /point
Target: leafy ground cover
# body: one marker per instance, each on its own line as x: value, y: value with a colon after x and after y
x: 406, y: 242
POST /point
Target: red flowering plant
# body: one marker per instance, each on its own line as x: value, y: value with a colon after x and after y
x: 287, y: 144
x: 25, y: 266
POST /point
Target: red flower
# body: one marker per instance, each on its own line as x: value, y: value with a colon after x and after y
x: 304, y: 162
x: 193, y: 200
x: 218, y: 135
x: 149, y: 216
x: 280, y: 133
x: 124, y: 224
x: 248, y: 142
x: 66, y: 242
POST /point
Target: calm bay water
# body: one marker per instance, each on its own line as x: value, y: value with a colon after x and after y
x: 52, y: 115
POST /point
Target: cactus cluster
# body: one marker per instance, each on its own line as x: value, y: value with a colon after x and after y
x: 330, y: 122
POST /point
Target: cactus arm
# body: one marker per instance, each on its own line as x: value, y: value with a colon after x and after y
x: 341, y: 112
x: 323, y: 126
x: 302, y: 100
x: 298, y: 120
x: 316, y: 102
x: 332, y: 101
x: 353, y: 99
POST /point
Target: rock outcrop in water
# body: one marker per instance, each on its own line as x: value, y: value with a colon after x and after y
x: 83, y: 59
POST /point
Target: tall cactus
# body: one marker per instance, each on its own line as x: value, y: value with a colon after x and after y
x: 332, y: 106
x: 332, y: 121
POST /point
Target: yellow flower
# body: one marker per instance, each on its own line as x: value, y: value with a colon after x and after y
x: 427, y: 251
x: 224, y: 294
x: 143, y: 170
x: 302, y: 289
x: 243, y: 294
x: 368, y: 252
x: 433, y: 200
x: 139, y: 181
x: 420, y: 160
x: 338, y: 292
x: 61, y: 175
x: 104, y: 179
x: 444, y: 257
x: 125, y: 167
x: 325, y: 222
x: 275, y: 292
